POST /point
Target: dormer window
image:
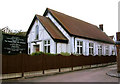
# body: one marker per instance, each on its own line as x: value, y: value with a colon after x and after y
x: 37, y: 32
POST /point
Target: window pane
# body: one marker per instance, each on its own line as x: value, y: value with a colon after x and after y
x: 81, y: 43
x: 45, y: 49
x: 98, y: 52
x: 89, y: 51
x: 92, y: 44
x: 48, y: 49
x: 48, y: 41
x: 101, y: 52
x: 92, y: 51
x: 107, y: 50
x: 77, y: 42
x: 47, y: 46
x: 37, y: 31
x: 81, y: 50
x: 45, y: 42
x: 89, y: 44
x: 78, y: 50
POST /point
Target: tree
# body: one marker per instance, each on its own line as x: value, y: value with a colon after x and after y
x: 7, y: 30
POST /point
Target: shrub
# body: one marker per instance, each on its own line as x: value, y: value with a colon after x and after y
x: 50, y: 54
x: 65, y: 53
x: 39, y: 53
x: 36, y: 53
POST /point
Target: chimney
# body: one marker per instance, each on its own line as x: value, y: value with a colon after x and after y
x: 101, y: 27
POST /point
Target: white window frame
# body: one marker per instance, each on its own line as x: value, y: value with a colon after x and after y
x: 99, y: 50
x: 91, y: 48
x: 113, y: 50
x: 47, y: 45
x: 106, y: 50
x: 79, y: 46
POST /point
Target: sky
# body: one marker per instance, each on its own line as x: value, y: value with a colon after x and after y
x: 18, y: 14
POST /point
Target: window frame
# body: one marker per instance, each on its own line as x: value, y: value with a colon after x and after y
x: 47, y: 46
x: 91, y: 48
x: 113, y: 50
x: 79, y: 47
x: 106, y: 50
x: 100, y: 50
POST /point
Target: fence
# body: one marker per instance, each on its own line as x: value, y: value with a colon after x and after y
x: 24, y: 63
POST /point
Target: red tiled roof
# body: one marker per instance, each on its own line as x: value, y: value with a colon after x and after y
x: 51, y: 28
x: 79, y: 28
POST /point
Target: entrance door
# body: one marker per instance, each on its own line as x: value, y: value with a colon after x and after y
x: 36, y: 47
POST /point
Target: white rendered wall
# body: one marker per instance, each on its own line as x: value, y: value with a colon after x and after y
x: 43, y: 35
x: 61, y: 47
x: 86, y: 46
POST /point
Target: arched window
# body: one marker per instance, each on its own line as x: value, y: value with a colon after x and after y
x: 37, y: 32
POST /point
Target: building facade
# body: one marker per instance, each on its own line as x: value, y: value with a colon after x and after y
x: 55, y: 32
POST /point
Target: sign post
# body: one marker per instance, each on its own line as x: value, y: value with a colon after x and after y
x: 118, y: 51
x: 13, y: 44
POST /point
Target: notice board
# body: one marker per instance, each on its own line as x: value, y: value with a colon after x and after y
x: 13, y: 44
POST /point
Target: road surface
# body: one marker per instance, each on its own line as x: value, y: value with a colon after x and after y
x: 87, y: 75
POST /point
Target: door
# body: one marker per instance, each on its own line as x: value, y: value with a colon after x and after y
x: 36, y: 48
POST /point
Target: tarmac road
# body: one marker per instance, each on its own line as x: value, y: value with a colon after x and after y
x: 87, y: 75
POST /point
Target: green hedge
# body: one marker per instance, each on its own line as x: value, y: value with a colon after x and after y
x: 39, y: 53
x: 36, y: 53
x: 65, y: 53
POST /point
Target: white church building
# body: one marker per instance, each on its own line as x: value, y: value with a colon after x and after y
x: 55, y: 32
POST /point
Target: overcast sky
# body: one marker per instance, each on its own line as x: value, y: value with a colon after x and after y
x: 18, y: 14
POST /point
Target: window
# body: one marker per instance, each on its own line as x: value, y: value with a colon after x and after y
x: 99, y: 50
x: 113, y: 50
x: 37, y: 32
x: 47, y: 46
x: 107, y: 50
x: 79, y: 47
x: 113, y: 53
x: 91, y: 49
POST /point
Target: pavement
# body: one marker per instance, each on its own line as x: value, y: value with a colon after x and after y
x: 113, y: 73
x: 86, y: 75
